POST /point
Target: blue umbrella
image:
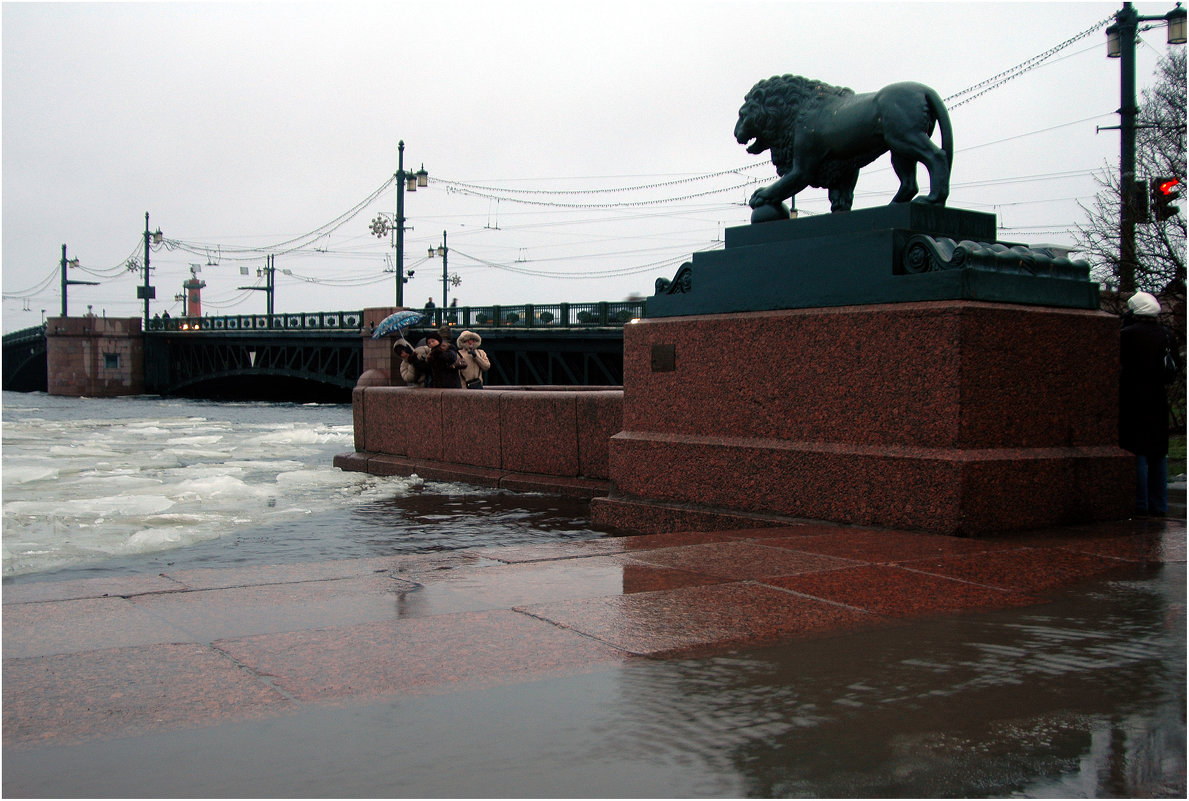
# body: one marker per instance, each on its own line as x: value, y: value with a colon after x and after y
x: 398, y: 322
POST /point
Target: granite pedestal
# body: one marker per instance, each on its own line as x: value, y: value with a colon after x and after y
x: 949, y: 414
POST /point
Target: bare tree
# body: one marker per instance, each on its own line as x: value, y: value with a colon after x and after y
x: 1160, y: 151
x: 1159, y: 245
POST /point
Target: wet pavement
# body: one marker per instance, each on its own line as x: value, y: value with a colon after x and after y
x: 807, y: 660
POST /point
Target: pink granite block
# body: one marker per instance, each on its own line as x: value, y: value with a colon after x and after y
x: 358, y: 416
x: 600, y: 417
x: 1023, y: 569
x: 1010, y: 353
x: 882, y: 546
x: 701, y: 617
x: 739, y: 560
x: 895, y: 592
x: 351, y: 462
x: 123, y: 586
x: 509, y: 585
x: 652, y: 542
x: 947, y: 491
x: 471, y: 428
x: 540, y: 433
x: 651, y: 516
x: 422, y: 420
x: 60, y: 627
x: 539, y: 552
x: 568, y: 486
x: 382, y: 411
x: 831, y: 362
x: 385, y: 465
x: 117, y: 692
x: 1149, y: 541
x: 904, y: 415
x: 417, y: 654
x: 253, y: 576
x: 442, y: 471
x: 241, y: 611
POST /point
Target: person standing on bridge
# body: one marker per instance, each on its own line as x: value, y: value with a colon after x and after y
x: 477, y: 363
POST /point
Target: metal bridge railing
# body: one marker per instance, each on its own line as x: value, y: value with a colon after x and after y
x: 541, y: 315
x: 528, y: 315
x: 295, y: 321
x: 25, y: 335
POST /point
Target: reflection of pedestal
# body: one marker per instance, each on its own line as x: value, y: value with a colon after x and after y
x: 937, y: 411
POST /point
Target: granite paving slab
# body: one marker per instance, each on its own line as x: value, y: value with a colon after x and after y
x: 416, y: 654
x: 113, y: 692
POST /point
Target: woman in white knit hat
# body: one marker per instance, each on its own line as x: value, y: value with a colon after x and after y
x: 1143, y: 401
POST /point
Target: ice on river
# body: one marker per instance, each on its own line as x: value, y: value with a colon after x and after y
x: 151, y: 476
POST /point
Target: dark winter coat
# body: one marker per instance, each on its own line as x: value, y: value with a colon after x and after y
x: 444, y: 363
x: 1143, y: 398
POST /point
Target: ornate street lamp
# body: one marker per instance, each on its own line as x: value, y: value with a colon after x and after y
x: 381, y: 227
x: 443, y: 251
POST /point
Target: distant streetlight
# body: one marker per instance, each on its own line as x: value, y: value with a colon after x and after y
x: 442, y: 251
x: 68, y: 281
x: 269, y: 273
x: 1120, y: 44
x: 381, y: 227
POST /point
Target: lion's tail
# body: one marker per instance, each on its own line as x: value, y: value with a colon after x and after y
x: 943, y: 122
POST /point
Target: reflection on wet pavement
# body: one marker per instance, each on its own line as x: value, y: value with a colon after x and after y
x: 806, y: 661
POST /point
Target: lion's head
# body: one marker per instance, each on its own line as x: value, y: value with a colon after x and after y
x: 769, y: 109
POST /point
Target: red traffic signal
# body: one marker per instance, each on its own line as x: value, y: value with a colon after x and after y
x: 1164, y: 191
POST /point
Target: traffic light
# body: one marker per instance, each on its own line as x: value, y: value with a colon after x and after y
x: 1164, y: 191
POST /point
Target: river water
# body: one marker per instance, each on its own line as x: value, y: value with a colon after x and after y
x: 102, y: 485
x: 1084, y: 696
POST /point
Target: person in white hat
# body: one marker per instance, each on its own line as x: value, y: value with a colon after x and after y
x: 477, y: 363
x: 1143, y: 401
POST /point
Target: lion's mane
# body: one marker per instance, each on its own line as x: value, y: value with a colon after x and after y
x: 774, y: 103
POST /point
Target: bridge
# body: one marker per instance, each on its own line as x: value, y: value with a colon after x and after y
x: 318, y: 356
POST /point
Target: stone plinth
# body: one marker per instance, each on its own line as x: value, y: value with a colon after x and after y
x: 958, y: 417
x: 547, y: 439
x: 901, y: 253
x: 379, y: 364
x: 94, y: 356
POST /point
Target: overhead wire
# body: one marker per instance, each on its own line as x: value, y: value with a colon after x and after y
x: 300, y: 244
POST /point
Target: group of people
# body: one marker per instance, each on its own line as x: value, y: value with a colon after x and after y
x: 436, y: 361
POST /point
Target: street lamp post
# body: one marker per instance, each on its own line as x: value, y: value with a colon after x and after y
x: 380, y: 226
x: 442, y: 251
x: 147, y: 292
x: 269, y: 287
x: 68, y: 281
x: 1120, y: 44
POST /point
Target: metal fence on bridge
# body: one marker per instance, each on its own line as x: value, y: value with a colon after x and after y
x: 528, y: 315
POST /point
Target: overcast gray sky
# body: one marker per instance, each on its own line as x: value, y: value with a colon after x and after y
x: 246, y: 128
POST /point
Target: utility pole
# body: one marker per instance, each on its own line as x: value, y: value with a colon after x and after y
x: 147, y: 292
x: 1120, y: 37
x: 68, y: 281
x: 269, y: 284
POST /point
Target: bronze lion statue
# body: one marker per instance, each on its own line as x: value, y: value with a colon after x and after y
x: 822, y: 135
